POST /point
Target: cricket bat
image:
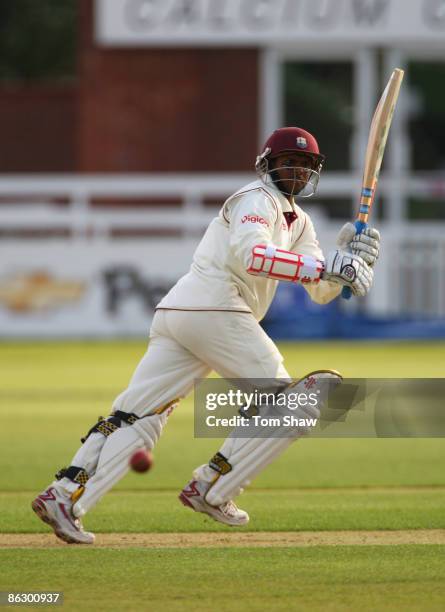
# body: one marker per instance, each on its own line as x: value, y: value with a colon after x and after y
x: 378, y: 135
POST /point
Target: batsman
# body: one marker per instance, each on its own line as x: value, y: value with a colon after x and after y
x: 209, y: 321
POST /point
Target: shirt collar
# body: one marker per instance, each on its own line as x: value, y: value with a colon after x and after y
x: 286, y: 206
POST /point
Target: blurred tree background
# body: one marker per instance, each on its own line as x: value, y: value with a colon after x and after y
x: 427, y: 125
x: 319, y: 95
x: 38, y: 40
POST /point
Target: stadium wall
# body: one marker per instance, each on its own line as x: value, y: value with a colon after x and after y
x: 136, y: 110
x: 38, y: 126
x: 158, y: 110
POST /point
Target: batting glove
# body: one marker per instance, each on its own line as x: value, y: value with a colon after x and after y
x: 350, y: 270
x: 366, y: 245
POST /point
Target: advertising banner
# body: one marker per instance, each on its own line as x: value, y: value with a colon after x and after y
x: 262, y: 22
x: 82, y: 288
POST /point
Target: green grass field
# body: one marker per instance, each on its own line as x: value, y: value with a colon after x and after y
x: 52, y: 393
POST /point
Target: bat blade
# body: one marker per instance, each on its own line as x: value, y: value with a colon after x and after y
x: 378, y: 135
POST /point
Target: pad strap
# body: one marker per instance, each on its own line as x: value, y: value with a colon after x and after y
x: 220, y: 464
x: 272, y: 262
x: 76, y: 474
x: 108, y: 426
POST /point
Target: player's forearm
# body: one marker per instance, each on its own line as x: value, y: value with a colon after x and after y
x: 272, y: 262
x: 340, y: 267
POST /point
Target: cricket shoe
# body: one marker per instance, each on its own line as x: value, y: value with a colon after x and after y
x: 193, y: 496
x: 54, y: 508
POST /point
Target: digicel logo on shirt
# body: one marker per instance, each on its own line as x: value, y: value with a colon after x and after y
x: 254, y: 219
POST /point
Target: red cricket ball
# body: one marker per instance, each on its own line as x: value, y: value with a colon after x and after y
x: 141, y: 460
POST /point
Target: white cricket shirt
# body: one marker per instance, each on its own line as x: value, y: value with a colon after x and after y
x: 218, y: 280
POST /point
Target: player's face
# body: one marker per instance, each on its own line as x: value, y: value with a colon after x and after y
x: 293, y: 171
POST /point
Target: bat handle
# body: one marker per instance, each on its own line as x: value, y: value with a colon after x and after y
x: 346, y: 292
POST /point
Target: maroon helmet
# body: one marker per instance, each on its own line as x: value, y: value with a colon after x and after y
x: 290, y: 140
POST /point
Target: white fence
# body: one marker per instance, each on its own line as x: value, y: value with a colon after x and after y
x: 39, y: 206
x: 33, y: 201
x: 66, y: 261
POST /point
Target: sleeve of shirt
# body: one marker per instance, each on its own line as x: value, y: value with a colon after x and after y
x: 252, y: 219
x: 307, y: 244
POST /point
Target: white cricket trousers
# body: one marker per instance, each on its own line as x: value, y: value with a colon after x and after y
x: 187, y: 345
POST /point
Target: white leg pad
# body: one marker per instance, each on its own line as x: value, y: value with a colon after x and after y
x: 86, y: 457
x: 249, y: 456
x: 88, y: 454
x: 114, y: 458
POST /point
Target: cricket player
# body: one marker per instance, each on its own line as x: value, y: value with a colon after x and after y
x: 210, y: 321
